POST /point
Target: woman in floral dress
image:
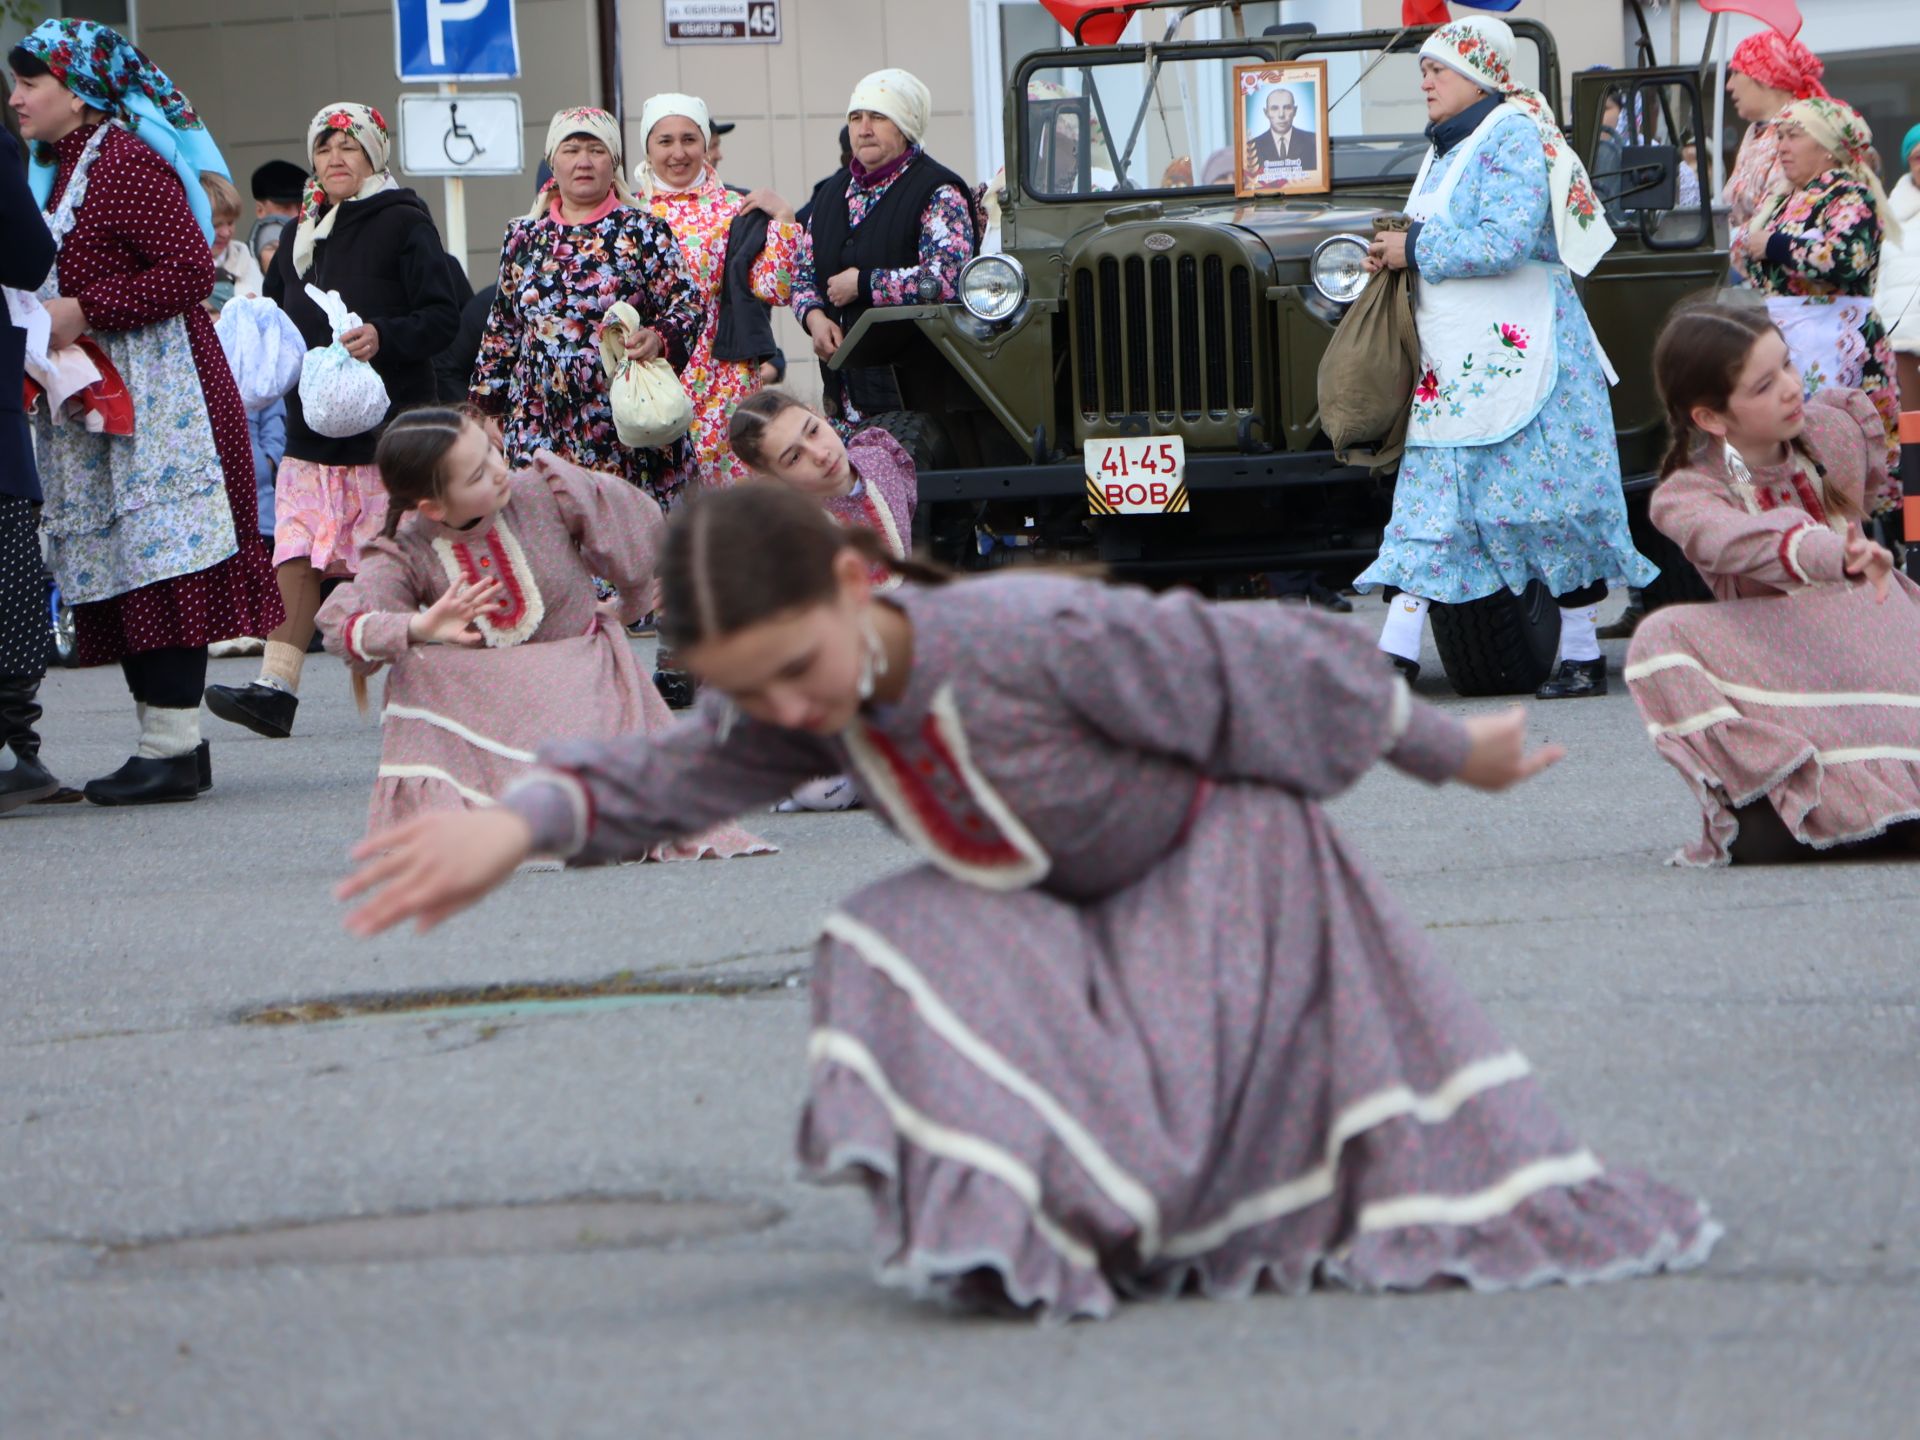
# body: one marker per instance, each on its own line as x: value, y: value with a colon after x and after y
x: 151, y: 534
x: 681, y: 188
x: 1511, y: 473
x: 1767, y: 73
x: 585, y: 244
x: 1814, y: 252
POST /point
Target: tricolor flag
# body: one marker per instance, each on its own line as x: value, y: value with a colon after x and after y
x: 1434, y: 12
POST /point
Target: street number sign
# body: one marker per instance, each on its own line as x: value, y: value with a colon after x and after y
x: 723, y: 22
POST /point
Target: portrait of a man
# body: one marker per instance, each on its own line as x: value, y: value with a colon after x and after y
x: 1281, y: 130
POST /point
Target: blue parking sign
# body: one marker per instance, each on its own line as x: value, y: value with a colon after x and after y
x: 455, y: 40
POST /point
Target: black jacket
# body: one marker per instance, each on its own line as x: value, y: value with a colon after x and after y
x: 745, y: 327
x: 385, y: 259
x: 453, y: 366
x: 887, y: 239
x: 26, y: 255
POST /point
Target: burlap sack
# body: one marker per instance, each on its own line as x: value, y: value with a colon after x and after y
x: 1367, y: 373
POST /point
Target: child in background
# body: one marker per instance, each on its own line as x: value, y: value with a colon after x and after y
x: 1788, y: 705
x: 866, y: 483
x: 479, y: 594
x: 239, y: 274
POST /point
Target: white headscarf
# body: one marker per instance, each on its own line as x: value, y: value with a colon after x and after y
x: 898, y: 96
x: 658, y: 108
x: 368, y: 127
x: 580, y: 120
x: 1482, y: 49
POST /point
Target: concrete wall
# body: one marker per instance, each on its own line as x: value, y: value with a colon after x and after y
x: 258, y: 70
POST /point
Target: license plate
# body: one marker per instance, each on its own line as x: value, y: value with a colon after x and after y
x: 1141, y: 475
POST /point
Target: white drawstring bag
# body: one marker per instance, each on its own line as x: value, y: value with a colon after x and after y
x: 339, y: 396
x: 650, y: 406
x: 264, y: 349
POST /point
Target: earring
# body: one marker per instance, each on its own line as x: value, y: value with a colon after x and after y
x: 873, y: 658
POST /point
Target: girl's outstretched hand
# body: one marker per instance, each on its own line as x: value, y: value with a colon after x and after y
x: 1498, y: 756
x: 449, y: 620
x: 433, y: 867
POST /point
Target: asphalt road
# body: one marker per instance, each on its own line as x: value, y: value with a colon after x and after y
x: 1752, y: 1035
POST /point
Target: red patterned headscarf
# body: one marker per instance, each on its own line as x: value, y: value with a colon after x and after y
x: 1780, y: 64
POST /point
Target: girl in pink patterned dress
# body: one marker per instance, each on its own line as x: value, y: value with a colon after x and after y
x: 1790, y: 705
x: 866, y: 483
x: 1097, y: 1045
x: 482, y: 602
x: 681, y: 188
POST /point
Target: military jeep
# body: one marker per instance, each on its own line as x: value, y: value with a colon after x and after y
x: 1132, y: 376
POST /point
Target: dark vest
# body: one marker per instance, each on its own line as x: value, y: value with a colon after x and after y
x: 887, y: 239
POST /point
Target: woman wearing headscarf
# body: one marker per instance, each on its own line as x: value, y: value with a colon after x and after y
x: 1511, y: 473
x: 1814, y: 252
x: 586, y: 243
x: 1767, y: 73
x: 365, y: 237
x: 151, y: 534
x: 1897, y: 297
x: 893, y: 229
x: 740, y: 252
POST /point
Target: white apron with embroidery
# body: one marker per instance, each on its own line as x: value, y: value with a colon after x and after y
x: 125, y: 511
x: 1487, y: 359
x: 1824, y: 337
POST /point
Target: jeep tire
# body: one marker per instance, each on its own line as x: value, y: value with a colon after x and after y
x: 1500, y: 644
x: 923, y: 437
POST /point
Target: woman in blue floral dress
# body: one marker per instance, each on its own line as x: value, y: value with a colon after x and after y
x: 587, y: 244
x: 1511, y: 473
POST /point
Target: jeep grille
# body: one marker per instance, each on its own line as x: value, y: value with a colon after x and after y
x: 1163, y: 339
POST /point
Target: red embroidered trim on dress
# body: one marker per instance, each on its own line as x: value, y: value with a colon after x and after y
x: 951, y: 835
x: 346, y: 637
x: 1787, y: 545
x: 1809, y: 502
x: 494, y: 565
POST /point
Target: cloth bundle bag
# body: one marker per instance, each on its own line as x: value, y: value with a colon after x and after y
x: 339, y: 396
x: 264, y: 349
x: 650, y: 406
x: 1368, y: 370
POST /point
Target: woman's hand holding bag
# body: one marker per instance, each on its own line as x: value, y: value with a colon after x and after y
x: 650, y: 406
x: 339, y: 395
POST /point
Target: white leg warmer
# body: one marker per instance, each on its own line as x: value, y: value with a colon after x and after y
x: 1577, y: 638
x: 1406, y: 626
x: 167, y: 733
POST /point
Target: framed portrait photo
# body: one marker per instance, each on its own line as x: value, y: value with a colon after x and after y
x: 1280, y: 129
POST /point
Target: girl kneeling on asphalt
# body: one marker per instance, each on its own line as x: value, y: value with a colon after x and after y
x: 1791, y: 703
x: 478, y: 593
x: 1101, y: 1043
x: 867, y: 482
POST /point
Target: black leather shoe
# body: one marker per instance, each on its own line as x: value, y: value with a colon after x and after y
x: 1623, y: 628
x: 675, y: 687
x: 203, y: 766
x: 1409, y: 668
x: 145, y: 781
x: 263, y: 709
x: 24, y: 782
x: 1575, y: 680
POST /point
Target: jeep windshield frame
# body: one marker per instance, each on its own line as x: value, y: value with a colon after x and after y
x: 1348, y: 94
x: 1113, y: 150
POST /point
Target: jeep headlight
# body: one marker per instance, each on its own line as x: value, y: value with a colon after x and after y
x: 992, y: 287
x: 1340, y: 268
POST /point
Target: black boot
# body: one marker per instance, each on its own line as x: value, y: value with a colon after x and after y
x: 146, y: 781
x: 23, y: 779
x: 203, y: 767
x: 264, y: 709
x: 1575, y: 680
x: 1408, y: 668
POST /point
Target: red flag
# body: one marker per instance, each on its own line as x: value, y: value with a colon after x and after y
x: 1424, y: 12
x: 1101, y: 30
x: 1782, y: 15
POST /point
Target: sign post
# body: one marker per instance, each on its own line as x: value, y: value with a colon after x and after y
x: 448, y: 41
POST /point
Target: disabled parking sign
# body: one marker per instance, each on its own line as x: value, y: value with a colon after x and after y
x: 455, y: 40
